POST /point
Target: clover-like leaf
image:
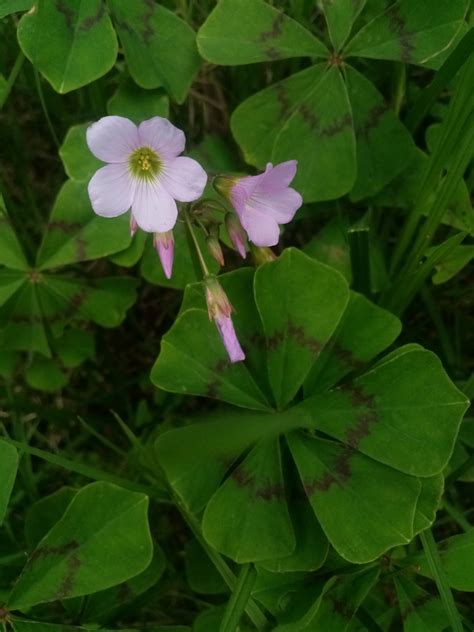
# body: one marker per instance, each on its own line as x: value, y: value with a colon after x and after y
x: 312, y: 300
x: 81, y: 45
x: 136, y: 103
x: 384, y: 145
x: 412, y: 32
x: 8, y: 469
x: 159, y: 47
x: 248, y: 518
x: 248, y: 31
x: 78, y: 160
x: 420, y: 611
x: 75, y: 233
x: 11, y: 253
x: 306, y: 117
x: 102, y: 540
x: 340, y: 17
x: 404, y: 412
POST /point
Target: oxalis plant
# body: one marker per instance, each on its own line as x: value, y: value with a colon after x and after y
x: 234, y: 339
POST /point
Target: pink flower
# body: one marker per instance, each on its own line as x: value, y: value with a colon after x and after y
x: 145, y: 172
x: 237, y: 234
x: 263, y: 202
x: 220, y: 310
x: 164, y: 245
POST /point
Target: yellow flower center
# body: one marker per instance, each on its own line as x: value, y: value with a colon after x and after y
x: 144, y: 163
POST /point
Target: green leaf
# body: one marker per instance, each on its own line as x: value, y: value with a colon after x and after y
x: 337, y: 604
x: 457, y: 557
x: 352, y: 495
x: 340, y: 17
x: 201, y: 575
x: 405, y: 412
x: 81, y: 45
x: 44, y: 374
x: 11, y: 253
x: 22, y: 321
x: 8, y: 469
x: 7, y: 7
x: 75, y: 233
x: 384, y: 145
x: 453, y: 264
x: 412, y: 32
x: 100, y: 605
x: 184, y: 269
x: 137, y: 104
x: 429, y: 501
x: 102, y: 539
x: 330, y: 246
x: 420, y: 611
x: 247, y: 519
x: 193, y: 360
x: 160, y: 48
x: 21, y: 625
x: 74, y: 347
x: 249, y: 31
x: 78, y: 160
x: 299, y: 324
x: 10, y: 283
x: 364, y: 331
x: 306, y: 117
x: 45, y: 513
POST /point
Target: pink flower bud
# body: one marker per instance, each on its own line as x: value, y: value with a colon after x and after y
x: 220, y: 310
x: 237, y: 234
x: 164, y: 245
x: 215, y: 249
x: 133, y: 225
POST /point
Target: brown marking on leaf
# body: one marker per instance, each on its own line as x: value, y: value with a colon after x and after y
x: 46, y: 551
x: 443, y: 545
x: 283, y: 100
x: 148, y: 29
x: 347, y: 358
x: 341, y: 607
x: 373, y: 119
x: 302, y: 339
x: 365, y: 419
x: 242, y: 478
x: 275, y: 30
x: 419, y: 602
x: 29, y: 319
x: 67, y: 584
x: 274, y: 491
x: 80, y: 249
x: 336, y: 127
x: 397, y: 24
x: 68, y: 13
x: 124, y: 593
x: 122, y: 25
x: 75, y: 302
x: 92, y: 20
x: 314, y: 122
x: 342, y: 473
x: 63, y: 226
x: 257, y: 340
x: 4, y: 614
x: 309, y: 117
x: 212, y: 389
x: 275, y: 341
x: 272, y: 53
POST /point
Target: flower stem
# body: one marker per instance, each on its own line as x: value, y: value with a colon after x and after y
x: 202, y: 263
x: 239, y: 599
x: 45, y: 109
x: 434, y: 561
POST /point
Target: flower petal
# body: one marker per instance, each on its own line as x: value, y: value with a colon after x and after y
x: 229, y: 338
x: 281, y: 205
x: 184, y: 179
x: 112, y: 138
x: 111, y: 190
x: 153, y: 207
x: 158, y: 133
x: 261, y: 228
x: 278, y: 177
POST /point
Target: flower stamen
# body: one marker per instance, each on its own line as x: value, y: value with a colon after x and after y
x: 144, y: 163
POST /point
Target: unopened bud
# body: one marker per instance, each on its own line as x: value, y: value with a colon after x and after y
x: 133, y: 225
x: 164, y: 245
x: 215, y: 249
x: 262, y: 255
x: 237, y: 234
x: 223, y: 185
x: 220, y: 310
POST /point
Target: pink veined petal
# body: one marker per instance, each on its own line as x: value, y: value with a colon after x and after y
x: 261, y: 228
x: 281, y: 205
x: 243, y: 190
x: 112, y: 138
x: 164, y: 244
x: 111, y: 190
x: 278, y: 177
x: 229, y: 338
x: 153, y: 208
x: 183, y: 178
x: 158, y: 133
